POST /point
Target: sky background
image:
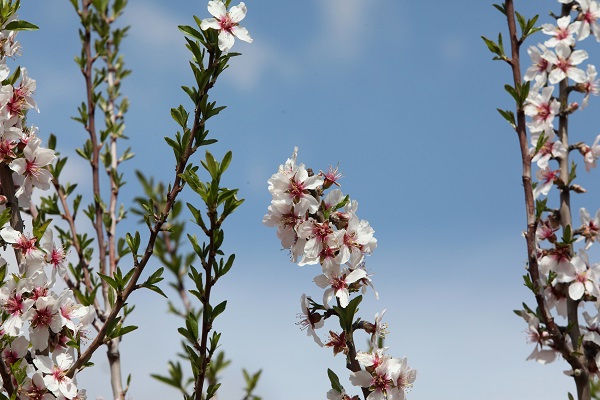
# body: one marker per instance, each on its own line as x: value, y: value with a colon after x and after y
x: 403, y: 96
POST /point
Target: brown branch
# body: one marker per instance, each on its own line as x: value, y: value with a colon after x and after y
x: 7, y: 378
x: 83, y: 264
x: 7, y: 189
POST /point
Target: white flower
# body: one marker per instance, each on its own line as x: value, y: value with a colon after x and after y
x: 542, y: 108
x: 591, y: 154
x: 564, y: 62
x: 338, y: 283
x: 546, y: 178
x: 227, y: 23
x: 590, y: 14
x: 590, y: 227
x: 540, y: 66
x: 591, y: 85
x: 582, y: 277
x: 32, y: 168
x: 561, y: 33
x: 309, y: 320
x: 55, y: 378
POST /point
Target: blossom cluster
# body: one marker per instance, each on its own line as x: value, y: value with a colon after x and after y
x: 564, y: 272
x: 39, y: 327
x: 324, y: 229
x: 318, y: 230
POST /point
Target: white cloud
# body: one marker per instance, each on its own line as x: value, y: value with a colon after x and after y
x: 154, y: 33
x: 341, y: 34
x: 260, y: 60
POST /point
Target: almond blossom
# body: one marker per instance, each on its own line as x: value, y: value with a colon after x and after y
x: 549, y: 150
x: 582, y: 278
x: 564, y: 62
x: 590, y: 227
x: 546, y: 178
x: 562, y: 33
x: 310, y: 320
x: 55, y: 374
x: 590, y: 13
x: 591, y: 85
x: 293, y: 184
x: 227, y: 23
x: 539, y: 65
x: 590, y: 154
x: 381, y: 381
x: 32, y: 169
x: 338, y: 283
x: 542, y: 108
x: 539, y: 338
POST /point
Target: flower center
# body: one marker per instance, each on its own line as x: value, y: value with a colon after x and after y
x: 227, y: 23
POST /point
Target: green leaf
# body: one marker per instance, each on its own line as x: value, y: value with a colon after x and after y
x: 133, y: 242
x: 191, y: 324
x: 527, y: 282
x: 335, y: 381
x: 521, y: 21
x: 188, y: 30
x: 509, y: 116
x: 212, y: 389
x: 500, y: 7
x: 511, y: 90
x: 21, y: 26
x: 211, y: 166
x: 219, y: 308
x: 126, y: 329
x: 540, y: 207
x: 226, y: 161
x: 567, y: 237
x: 112, y: 328
x: 493, y: 47
x: 38, y: 230
x: 5, y: 217
x: 111, y: 282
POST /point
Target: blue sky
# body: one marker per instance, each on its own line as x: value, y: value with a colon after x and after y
x: 403, y: 97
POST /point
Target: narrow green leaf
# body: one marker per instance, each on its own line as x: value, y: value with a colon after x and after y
x: 335, y: 381
x: 21, y: 26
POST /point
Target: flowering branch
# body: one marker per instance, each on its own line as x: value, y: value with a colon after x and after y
x: 327, y: 231
x: 561, y: 279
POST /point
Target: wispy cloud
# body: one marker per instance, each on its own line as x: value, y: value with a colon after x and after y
x: 341, y: 33
x: 154, y: 34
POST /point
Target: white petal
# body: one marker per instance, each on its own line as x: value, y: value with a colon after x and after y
x: 238, y: 13
x: 226, y: 41
x: 356, y: 275
x: 576, y: 290
x: 360, y: 378
x: 576, y: 74
x: 210, y: 23
x: 217, y: 8
x: 242, y: 33
x: 578, y: 56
